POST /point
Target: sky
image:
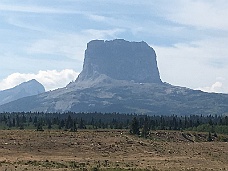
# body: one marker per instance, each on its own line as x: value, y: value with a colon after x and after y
x: 46, y: 40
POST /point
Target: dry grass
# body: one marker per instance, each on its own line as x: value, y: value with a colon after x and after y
x: 102, y: 150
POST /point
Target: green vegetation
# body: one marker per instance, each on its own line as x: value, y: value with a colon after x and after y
x: 137, y: 124
x: 135, y: 127
x: 222, y: 129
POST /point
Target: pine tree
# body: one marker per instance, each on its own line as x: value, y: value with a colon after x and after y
x: 146, y: 128
x: 17, y: 121
x: 135, y: 127
x: 69, y: 122
x: 49, y: 124
x: 81, y: 124
x: 61, y: 124
x: 35, y: 121
x: 74, y: 127
x: 209, y: 138
x: 39, y: 126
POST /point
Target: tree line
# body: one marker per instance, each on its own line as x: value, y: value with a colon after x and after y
x: 72, y: 121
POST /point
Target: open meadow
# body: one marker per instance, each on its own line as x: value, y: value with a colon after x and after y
x: 110, y: 150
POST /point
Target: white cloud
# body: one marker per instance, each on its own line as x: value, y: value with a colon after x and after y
x: 51, y: 79
x: 102, y: 34
x: 195, y: 64
x: 219, y: 86
x: 125, y: 23
x: 70, y: 45
x: 216, y: 88
x: 98, y: 18
x: 59, y: 45
x: 35, y: 9
x: 201, y: 13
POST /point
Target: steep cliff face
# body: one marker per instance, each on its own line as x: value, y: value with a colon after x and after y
x: 120, y: 60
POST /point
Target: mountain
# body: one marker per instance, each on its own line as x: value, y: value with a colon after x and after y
x: 122, y: 76
x: 25, y: 89
x: 120, y: 60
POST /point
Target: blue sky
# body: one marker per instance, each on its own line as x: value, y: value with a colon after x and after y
x: 46, y: 40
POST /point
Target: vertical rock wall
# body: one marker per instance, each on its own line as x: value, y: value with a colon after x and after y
x: 120, y: 60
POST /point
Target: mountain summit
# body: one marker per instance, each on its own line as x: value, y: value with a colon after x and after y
x: 121, y: 76
x: 25, y: 89
x: 120, y: 60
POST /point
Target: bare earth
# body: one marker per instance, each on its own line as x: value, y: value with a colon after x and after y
x: 104, y: 149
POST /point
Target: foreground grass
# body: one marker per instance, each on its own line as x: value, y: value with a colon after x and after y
x: 115, y: 150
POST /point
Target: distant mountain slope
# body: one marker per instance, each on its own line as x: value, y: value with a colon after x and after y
x: 108, y: 95
x: 25, y: 89
x: 121, y: 76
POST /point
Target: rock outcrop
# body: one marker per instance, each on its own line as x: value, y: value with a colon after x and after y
x: 121, y: 76
x: 25, y: 89
x: 120, y: 60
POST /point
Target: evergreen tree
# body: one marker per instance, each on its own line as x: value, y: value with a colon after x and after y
x: 146, y: 128
x: 81, y: 124
x: 69, y: 122
x: 74, y: 127
x: 175, y: 123
x: 35, y: 121
x: 18, y: 121
x: 30, y: 119
x: 10, y: 123
x: 152, y: 125
x: 49, y: 124
x: 92, y: 123
x: 39, y: 127
x: 21, y: 126
x: 61, y: 124
x: 135, y: 127
x: 162, y: 123
x: 23, y: 119
x: 209, y: 138
x: 14, y: 123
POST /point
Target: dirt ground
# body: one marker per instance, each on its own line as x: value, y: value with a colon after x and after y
x: 106, y: 149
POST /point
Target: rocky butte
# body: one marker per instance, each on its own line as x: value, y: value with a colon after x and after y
x: 120, y: 60
x: 122, y: 76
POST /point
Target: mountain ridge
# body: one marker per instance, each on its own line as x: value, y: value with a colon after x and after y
x: 106, y: 85
x: 29, y: 88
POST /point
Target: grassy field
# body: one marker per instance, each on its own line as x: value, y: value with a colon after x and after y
x: 110, y: 150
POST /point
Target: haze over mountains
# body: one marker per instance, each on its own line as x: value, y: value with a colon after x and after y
x: 122, y: 76
x: 25, y: 89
